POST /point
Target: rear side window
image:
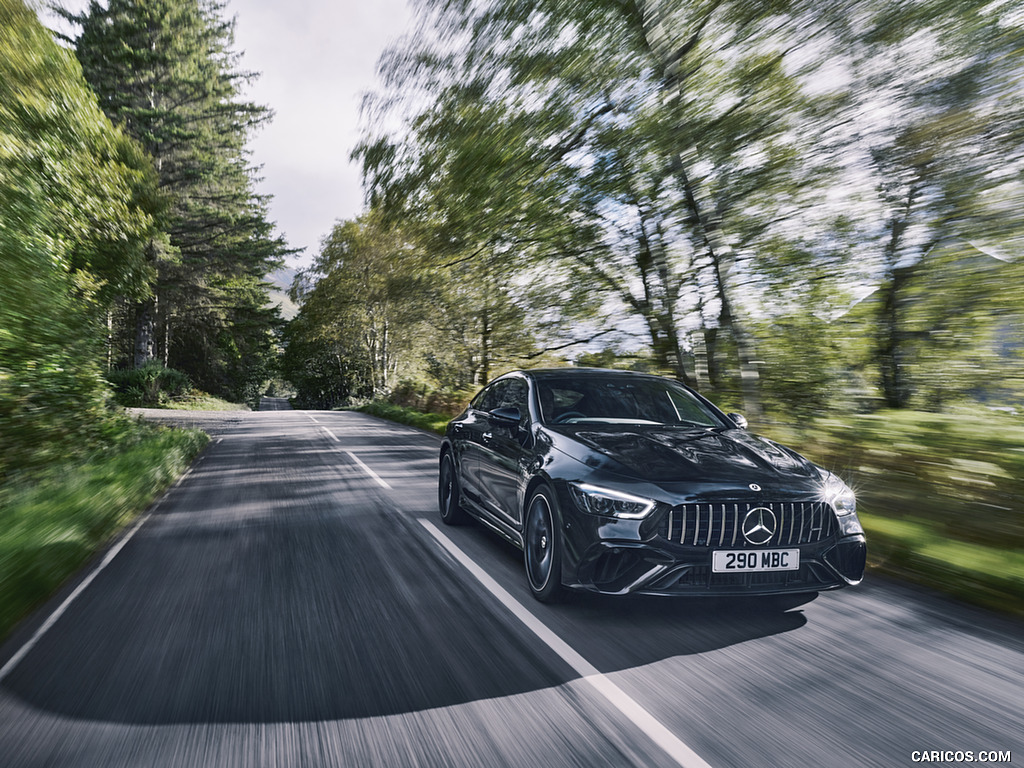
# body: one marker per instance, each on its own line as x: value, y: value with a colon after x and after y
x: 516, y: 396
x: 491, y: 396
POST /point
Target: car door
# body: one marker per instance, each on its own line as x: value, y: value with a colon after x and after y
x: 470, y: 440
x: 504, y: 454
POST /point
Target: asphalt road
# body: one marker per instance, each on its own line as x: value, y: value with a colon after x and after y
x: 294, y: 601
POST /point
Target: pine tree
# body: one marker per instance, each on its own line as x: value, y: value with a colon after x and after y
x: 165, y: 70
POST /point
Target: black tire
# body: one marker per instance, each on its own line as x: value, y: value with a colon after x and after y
x: 542, y: 547
x: 449, y: 500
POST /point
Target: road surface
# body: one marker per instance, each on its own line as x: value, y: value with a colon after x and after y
x: 295, y: 601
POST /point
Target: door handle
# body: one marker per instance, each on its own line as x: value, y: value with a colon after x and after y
x: 487, y: 436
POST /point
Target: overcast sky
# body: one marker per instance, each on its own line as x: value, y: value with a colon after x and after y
x: 316, y: 58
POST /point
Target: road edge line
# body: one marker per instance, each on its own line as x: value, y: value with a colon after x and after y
x: 671, y: 744
x: 61, y: 609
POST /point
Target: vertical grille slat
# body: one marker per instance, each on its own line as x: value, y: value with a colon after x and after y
x: 721, y: 524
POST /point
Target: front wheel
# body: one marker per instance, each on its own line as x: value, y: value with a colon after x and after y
x: 449, y: 501
x: 542, y: 547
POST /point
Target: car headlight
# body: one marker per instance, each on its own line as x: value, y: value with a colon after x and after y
x: 839, y: 495
x: 605, y: 501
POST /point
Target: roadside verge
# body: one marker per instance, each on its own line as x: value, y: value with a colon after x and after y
x: 53, y: 522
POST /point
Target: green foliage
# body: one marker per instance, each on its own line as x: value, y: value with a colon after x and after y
x: 75, y: 217
x: 422, y: 398
x: 378, y: 308
x: 431, y: 422
x: 725, y: 178
x: 50, y: 526
x: 150, y: 385
x: 200, y: 401
x: 325, y: 373
x: 370, y: 295
x: 626, y: 160
x: 914, y: 550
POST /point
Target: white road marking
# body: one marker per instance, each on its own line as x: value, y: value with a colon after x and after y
x: 380, y: 481
x: 627, y: 705
x: 377, y: 478
x: 22, y: 652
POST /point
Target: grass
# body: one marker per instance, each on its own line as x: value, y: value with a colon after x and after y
x: 200, y: 401
x: 911, y: 549
x: 431, y: 422
x: 52, y: 524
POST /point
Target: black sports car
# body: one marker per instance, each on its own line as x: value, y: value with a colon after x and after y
x: 621, y: 482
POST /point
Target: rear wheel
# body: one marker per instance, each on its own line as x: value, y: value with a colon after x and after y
x: 542, y: 547
x: 449, y: 500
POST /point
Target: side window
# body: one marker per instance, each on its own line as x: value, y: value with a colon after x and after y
x: 491, y: 397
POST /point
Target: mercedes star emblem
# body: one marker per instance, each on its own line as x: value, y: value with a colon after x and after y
x: 759, y: 525
x: 754, y: 487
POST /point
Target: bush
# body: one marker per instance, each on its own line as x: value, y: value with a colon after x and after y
x: 152, y: 384
x: 431, y: 422
x: 449, y: 402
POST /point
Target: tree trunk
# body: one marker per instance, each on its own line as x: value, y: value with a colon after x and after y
x: 145, y: 332
x: 645, y: 18
x: 672, y: 352
x: 895, y: 388
x: 892, y: 377
x: 485, y: 347
x: 711, y: 358
x: 717, y: 249
x: 110, y: 339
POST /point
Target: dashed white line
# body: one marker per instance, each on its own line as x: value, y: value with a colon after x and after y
x: 377, y: 478
x: 622, y: 701
x: 380, y: 481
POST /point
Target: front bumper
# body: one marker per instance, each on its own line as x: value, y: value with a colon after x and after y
x: 623, y: 567
x: 664, y: 557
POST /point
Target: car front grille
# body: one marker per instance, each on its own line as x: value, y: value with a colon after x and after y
x: 721, y: 525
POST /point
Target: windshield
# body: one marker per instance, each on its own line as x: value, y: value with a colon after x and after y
x: 620, y: 400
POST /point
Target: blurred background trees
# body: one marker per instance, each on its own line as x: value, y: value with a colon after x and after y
x: 77, y: 215
x: 788, y: 206
x: 794, y: 208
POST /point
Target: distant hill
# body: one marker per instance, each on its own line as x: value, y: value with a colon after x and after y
x: 281, y: 281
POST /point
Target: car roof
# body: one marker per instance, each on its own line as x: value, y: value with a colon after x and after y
x: 572, y: 372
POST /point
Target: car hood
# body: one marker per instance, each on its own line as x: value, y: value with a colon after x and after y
x: 672, y: 455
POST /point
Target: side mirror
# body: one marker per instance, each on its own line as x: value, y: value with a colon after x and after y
x: 506, y: 417
x: 739, y: 420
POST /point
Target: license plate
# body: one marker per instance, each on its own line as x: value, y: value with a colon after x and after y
x: 755, y: 560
